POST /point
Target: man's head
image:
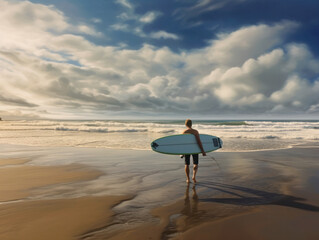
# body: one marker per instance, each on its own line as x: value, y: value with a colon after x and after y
x: 188, y: 123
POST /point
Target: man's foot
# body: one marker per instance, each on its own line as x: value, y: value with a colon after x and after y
x: 188, y: 181
x: 194, y: 180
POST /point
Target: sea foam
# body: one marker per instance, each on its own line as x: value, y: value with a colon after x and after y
x: 138, y: 134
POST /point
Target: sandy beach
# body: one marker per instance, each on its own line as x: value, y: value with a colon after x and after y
x: 48, y: 219
x: 85, y: 193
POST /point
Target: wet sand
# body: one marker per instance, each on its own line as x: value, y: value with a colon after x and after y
x: 18, y: 181
x: 281, y: 203
x: 143, y: 195
x: 63, y: 219
x: 24, y: 218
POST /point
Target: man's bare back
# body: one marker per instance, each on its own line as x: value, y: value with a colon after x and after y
x: 190, y: 130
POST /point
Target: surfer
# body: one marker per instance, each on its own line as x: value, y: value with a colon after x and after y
x: 190, y: 130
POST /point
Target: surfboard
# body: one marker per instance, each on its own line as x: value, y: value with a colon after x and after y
x: 185, y: 144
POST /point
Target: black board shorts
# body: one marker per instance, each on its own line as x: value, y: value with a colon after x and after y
x: 188, y: 157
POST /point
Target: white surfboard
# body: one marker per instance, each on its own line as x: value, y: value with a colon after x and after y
x: 185, y: 144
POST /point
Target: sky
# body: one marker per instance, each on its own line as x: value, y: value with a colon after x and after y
x: 159, y: 59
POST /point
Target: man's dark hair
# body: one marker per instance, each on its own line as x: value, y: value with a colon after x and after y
x: 188, y: 123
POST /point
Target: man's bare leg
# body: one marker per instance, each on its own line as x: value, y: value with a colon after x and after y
x: 195, y: 168
x: 187, y: 173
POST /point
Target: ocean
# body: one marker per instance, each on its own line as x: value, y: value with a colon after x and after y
x: 238, y: 136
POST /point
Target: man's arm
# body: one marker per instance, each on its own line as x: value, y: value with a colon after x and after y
x: 196, y: 134
x: 199, y: 142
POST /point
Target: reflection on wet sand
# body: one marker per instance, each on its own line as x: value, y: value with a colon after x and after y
x: 188, y: 216
x: 190, y: 210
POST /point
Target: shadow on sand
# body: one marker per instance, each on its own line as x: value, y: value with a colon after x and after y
x: 257, y: 197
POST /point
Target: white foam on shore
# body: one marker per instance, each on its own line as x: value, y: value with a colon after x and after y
x: 237, y: 135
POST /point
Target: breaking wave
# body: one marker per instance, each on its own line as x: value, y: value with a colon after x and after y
x: 97, y: 130
x: 138, y: 134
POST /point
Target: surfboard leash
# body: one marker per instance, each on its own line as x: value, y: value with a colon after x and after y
x: 214, y: 160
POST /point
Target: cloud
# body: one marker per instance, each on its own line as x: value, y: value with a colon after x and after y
x: 164, y: 35
x: 96, y: 20
x: 26, y: 15
x: 121, y: 27
x: 63, y: 88
x: 234, y: 48
x: 12, y: 100
x: 18, y: 115
x: 200, y: 7
x: 297, y: 93
x: 125, y: 3
x: 23, y: 16
x: 149, y: 17
x: 314, y: 108
x: 89, y: 30
x: 250, y: 70
x: 267, y: 82
x: 32, y: 27
x: 134, y: 23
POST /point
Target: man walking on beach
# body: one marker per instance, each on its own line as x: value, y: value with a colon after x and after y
x: 190, y: 130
